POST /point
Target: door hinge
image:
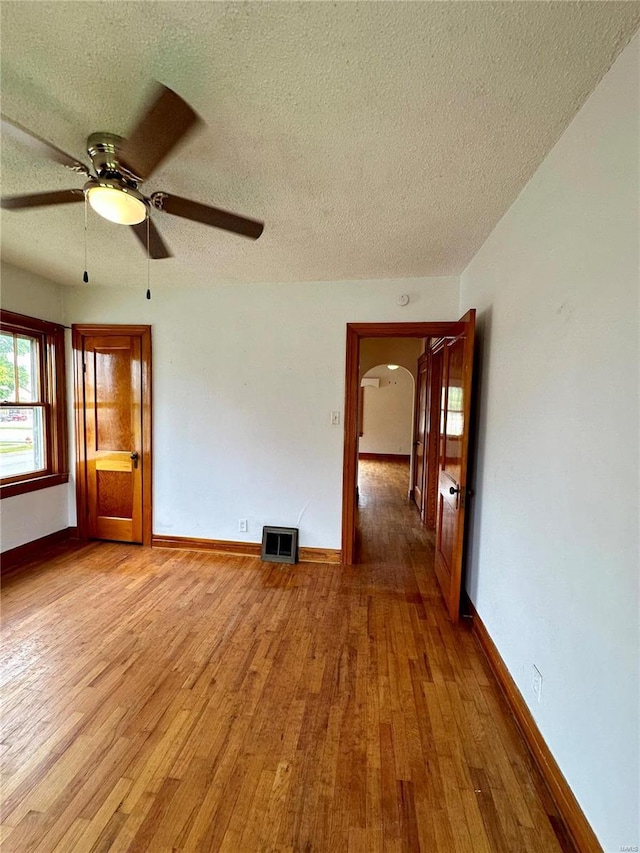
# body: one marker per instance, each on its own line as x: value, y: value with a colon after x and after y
x: 84, y: 366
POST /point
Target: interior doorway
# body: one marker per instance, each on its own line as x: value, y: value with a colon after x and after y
x: 452, y: 403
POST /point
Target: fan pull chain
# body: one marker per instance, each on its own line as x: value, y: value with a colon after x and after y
x: 85, y: 277
x: 148, y: 262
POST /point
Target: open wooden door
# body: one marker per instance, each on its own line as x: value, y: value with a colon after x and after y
x: 455, y: 422
x: 113, y: 432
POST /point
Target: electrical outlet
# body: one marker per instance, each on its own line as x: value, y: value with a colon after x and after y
x: 335, y: 418
x: 242, y: 525
x: 536, y: 683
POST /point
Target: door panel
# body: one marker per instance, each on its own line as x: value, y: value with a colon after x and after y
x: 419, y: 442
x: 113, y: 436
x: 113, y: 388
x: 455, y: 419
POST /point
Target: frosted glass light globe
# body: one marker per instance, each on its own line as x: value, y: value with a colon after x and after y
x: 117, y: 205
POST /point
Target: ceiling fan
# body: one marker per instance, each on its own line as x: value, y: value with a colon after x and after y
x: 121, y: 165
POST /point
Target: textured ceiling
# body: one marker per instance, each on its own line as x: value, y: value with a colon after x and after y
x: 375, y: 139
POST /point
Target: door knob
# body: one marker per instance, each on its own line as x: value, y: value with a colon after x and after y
x: 134, y: 458
x: 453, y: 491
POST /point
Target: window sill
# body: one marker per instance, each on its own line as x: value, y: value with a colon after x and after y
x: 9, y: 490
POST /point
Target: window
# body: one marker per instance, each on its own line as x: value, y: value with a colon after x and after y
x: 33, y: 436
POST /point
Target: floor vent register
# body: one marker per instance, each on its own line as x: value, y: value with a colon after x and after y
x: 280, y: 544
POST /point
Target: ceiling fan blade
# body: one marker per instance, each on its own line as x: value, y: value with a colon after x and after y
x: 166, y: 121
x: 213, y: 216
x: 157, y: 247
x: 41, y: 146
x: 18, y: 202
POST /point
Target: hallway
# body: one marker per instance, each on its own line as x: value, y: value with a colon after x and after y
x: 160, y: 701
x: 389, y: 528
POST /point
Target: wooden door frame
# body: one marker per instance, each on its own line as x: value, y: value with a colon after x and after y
x: 78, y: 333
x: 355, y: 333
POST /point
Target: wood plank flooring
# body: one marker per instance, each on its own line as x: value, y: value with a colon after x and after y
x: 174, y: 701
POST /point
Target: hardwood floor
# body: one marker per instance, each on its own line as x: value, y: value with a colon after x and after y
x: 167, y: 701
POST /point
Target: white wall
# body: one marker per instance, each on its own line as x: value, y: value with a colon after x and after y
x: 388, y: 412
x: 24, y: 518
x: 554, y: 563
x: 27, y: 293
x: 245, y: 379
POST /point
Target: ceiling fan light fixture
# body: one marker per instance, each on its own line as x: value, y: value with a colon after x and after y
x: 116, y: 203
x: 119, y: 165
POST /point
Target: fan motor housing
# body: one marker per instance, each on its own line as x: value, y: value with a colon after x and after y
x: 104, y: 150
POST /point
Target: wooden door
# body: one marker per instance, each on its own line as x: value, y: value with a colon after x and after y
x: 114, y: 495
x: 420, y: 429
x: 455, y: 420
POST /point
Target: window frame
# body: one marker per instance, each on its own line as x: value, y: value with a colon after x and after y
x: 53, y: 403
